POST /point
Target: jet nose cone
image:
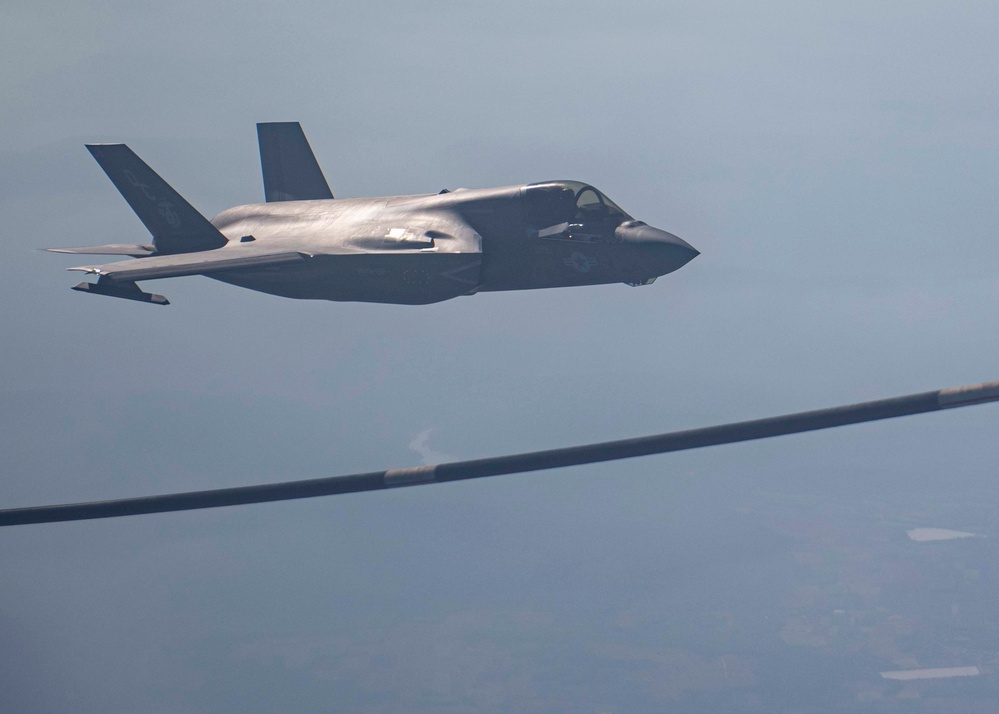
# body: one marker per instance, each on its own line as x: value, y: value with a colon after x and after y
x: 680, y: 248
x: 674, y: 252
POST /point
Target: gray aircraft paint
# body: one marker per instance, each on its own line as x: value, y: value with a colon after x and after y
x: 402, y: 249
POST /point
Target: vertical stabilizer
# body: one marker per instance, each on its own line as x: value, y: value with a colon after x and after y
x: 291, y: 172
x: 176, y: 225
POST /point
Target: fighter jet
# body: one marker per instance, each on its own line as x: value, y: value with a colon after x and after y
x: 419, y: 249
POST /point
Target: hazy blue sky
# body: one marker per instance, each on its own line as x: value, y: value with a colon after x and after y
x: 836, y: 164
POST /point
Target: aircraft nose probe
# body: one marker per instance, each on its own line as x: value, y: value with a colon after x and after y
x: 515, y: 463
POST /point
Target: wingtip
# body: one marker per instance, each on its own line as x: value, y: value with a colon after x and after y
x: 65, y: 251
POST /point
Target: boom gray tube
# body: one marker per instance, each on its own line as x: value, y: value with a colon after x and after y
x: 516, y: 463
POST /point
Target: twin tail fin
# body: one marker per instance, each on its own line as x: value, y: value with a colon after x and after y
x: 291, y: 172
x: 176, y: 226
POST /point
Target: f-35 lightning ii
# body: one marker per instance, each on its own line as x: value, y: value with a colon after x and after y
x: 303, y: 243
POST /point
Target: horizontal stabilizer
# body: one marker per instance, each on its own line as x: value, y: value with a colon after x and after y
x: 175, y: 224
x: 291, y: 172
x: 175, y: 266
x: 127, y: 290
x: 136, y: 251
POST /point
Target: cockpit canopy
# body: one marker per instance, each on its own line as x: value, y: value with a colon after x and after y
x: 571, y: 202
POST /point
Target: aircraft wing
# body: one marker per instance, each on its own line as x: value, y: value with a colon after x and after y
x: 206, y: 262
x: 134, y: 250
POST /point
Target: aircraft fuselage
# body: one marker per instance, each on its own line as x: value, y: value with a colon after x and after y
x: 427, y: 248
x: 303, y: 243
